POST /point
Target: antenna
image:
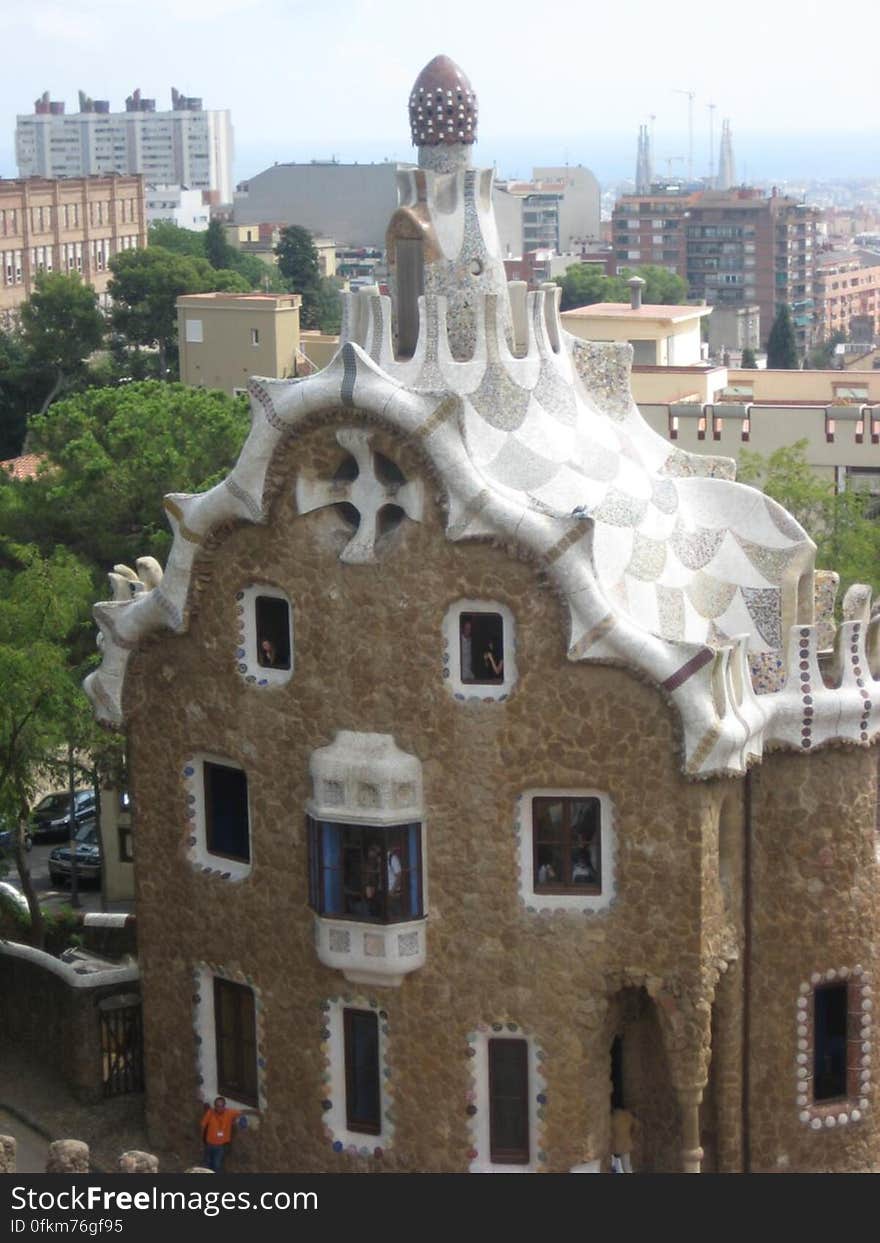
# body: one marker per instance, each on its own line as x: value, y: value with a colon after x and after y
x: 691, y: 97
x: 711, y: 108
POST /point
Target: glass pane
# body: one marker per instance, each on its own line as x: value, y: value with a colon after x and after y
x: 547, y: 816
x: 550, y: 866
x: 362, y: 1097
x: 830, y: 1042
x: 508, y: 1101
x: 585, y: 840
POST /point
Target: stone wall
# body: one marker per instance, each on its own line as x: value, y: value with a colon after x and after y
x: 54, y: 1021
x: 368, y: 657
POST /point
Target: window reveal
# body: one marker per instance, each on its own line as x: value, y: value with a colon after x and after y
x: 481, y: 641
x: 362, y: 1093
x: 273, y: 632
x: 227, y: 831
x: 365, y: 873
x: 235, y: 1035
x: 567, y: 845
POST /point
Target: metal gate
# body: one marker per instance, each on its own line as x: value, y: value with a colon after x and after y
x: 122, y: 1049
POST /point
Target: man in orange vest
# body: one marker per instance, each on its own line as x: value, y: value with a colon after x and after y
x: 218, y: 1123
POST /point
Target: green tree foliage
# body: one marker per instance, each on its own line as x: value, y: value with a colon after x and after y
x: 781, y: 344
x: 113, y: 454
x: 821, y: 357
x: 298, y: 264
x: 749, y: 361
x: 145, y: 287
x: 328, y: 309
x: 846, y: 535
x: 44, y: 607
x: 218, y: 252
x: 586, y: 283
x: 259, y: 275
x: 22, y: 388
x: 60, y: 327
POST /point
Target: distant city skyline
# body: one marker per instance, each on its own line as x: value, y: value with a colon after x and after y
x: 571, y: 96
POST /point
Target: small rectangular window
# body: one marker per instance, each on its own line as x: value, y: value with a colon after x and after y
x: 362, y: 1095
x: 236, y: 1041
x: 567, y: 837
x: 509, y: 1102
x: 829, y: 1047
x: 481, y: 640
x: 255, y: 336
x: 227, y: 831
x: 194, y: 333
x: 273, y: 632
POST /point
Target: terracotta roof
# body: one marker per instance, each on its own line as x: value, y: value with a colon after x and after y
x: 25, y: 467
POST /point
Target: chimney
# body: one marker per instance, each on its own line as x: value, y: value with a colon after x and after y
x: 636, y: 285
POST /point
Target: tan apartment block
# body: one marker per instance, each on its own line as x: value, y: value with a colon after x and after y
x: 225, y: 338
x: 73, y: 224
x: 845, y: 288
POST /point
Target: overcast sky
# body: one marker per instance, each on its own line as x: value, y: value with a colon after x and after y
x: 311, y: 78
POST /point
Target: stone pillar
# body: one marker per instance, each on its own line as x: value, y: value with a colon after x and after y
x: 689, y: 1103
x: 68, y: 1156
x: 726, y: 1069
x: 136, y: 1162
x: 7, y: 1154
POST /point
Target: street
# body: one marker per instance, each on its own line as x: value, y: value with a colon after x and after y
x: 51, y: 896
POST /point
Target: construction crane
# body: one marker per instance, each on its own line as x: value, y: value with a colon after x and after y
x: 711, y: 108
x: 691, y: 95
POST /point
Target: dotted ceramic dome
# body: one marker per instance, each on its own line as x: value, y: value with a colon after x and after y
x: 442, y: 105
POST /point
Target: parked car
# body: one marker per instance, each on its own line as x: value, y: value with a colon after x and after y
x: 7, y: 838
x: 88, y: 856
x: 50, y: 819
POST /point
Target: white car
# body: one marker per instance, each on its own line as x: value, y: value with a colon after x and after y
x: 14, y: 897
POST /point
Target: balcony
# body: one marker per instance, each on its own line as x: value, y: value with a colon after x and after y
x: 366, y: 848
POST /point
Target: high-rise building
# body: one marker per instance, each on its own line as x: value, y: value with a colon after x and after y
x: 189, y: 145
x: 734, y: 248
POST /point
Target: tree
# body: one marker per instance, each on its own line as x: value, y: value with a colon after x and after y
x: 662, y: 287
x: 586, y: 283
x: 298, y: 264
x: 847, y: 537
x: 44, y: 604
x: 60, y: 327
x: 821, y: 356
x: 22, y: 386
x: 145, y: 287
x: 328, y: 307
x: 781, y: 344
x: 181, y: 241
x: 749, y: 362
x: 218, y: 252
x: 112, y: 454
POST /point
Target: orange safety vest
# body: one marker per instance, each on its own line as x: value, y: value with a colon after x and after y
x: 217, y: 1128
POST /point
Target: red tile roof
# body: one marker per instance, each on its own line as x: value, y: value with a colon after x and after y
x: 25, y: 467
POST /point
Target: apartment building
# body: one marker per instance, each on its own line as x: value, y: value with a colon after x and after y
x: 847, y: 286
x: 734, y: 248
x: 71, y: 225
x: 188, y: 145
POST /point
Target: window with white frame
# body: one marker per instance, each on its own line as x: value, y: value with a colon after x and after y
x: 356, y: 1105
x: 566, y: 849
x: 479, y: 650
x: 508, y: 1094
x: 219, y: 812
x: 228, y: 1024
x: 264, y: 653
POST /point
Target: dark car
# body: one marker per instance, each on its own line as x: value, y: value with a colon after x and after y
x: 7, y: 838
x: 88, y: 856
x: 50, y: 819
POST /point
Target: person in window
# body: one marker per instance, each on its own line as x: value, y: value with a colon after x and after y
x: 395, y: 883
x: 582, y: 870
x: 267, y: 655
x: 371, y: 903
x: 546, y: 874
x: 494, y: 668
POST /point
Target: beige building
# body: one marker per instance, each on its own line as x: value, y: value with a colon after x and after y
x: 661, y: 336
x: 227, y: 337
x: 71, y: 224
